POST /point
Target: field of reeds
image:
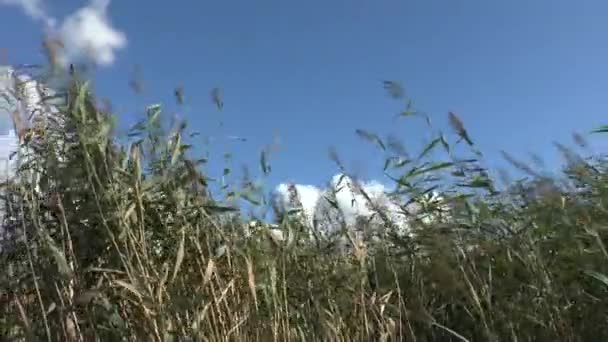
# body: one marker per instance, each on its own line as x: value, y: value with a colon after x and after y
x: 123, y: 240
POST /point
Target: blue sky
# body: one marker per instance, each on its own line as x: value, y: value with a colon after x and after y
x: 520, y: 74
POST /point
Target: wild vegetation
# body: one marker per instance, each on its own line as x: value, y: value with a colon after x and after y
x: 125, y: 241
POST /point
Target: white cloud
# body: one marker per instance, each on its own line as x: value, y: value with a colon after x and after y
x: 88, y: 33
x: 85, y: 34
x: 308, y: 196
x: 32, y: 8
x: 350, y: 202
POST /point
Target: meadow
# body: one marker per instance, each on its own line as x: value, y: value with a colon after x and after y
x: 122, y: 240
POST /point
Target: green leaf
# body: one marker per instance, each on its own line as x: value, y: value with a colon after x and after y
x: 58, y: 256
x: 394, y: 89
x: 601, y: 129
x: 465, y: 137
x: 249, y: 199
x: 371, y: 137
x: 129, y: 287
x: 429, y: 147
x: 332, y: 202
x: 435, y: 167
x: 429, y: 190
x: 180, y: 255
x: 408, y: 113
x: 428, y: 120
x: 294, y: 211
x: 401, y: 181
x: 598, y: 276
x: 179, y: 95
x: 445, y: 144
x: 219, y: 209
x: 264, y: 163
x: 458, y: 126
x: 80, y: 100
x: 459, y: 173
x: 401, y: 163
x: 479, y: 182
x: 387, y: 163
x: 176, y: 149
x: 153, y: 112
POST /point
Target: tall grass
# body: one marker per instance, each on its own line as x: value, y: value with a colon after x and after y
x: 125, y: 241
